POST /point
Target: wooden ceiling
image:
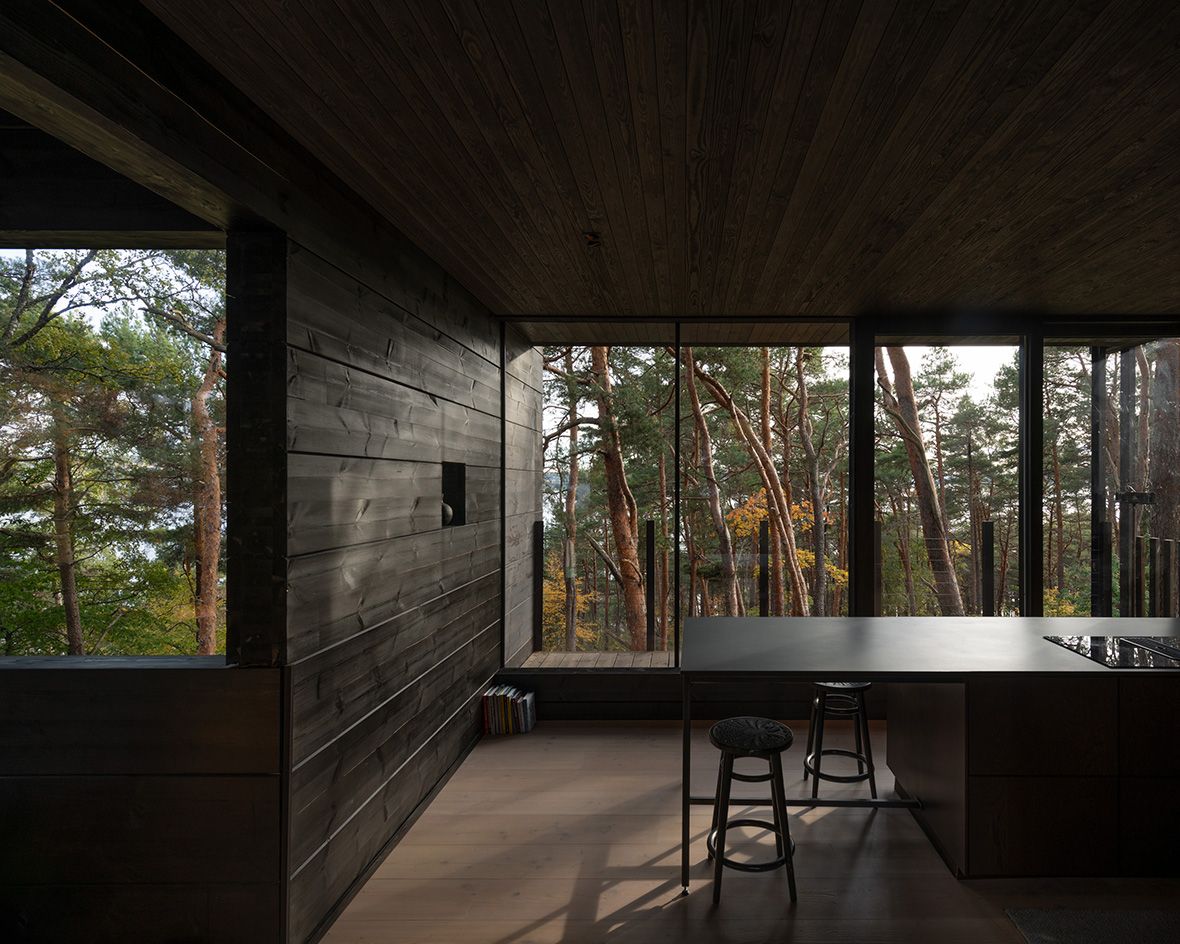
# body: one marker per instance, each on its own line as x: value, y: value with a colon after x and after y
x: 741, y: 158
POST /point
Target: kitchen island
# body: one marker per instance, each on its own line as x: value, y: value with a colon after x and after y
x: 1023, y: 757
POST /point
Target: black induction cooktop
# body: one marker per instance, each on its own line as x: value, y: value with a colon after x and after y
x: 1125, y: 652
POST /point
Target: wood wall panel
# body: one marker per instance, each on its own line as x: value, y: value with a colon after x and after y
x: 337, y: 411
x: 149, y: 800
x: 116, y: 914
x: 522, y: 489
x: 162, y: 720
x: 393, y: 620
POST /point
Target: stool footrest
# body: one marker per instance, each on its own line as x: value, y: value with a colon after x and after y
x: 767, y: 866
x: 809, y: 766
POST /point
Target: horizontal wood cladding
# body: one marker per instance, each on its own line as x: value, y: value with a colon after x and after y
x: 330, y: 786
x: 109, y: 721
x: 140, y: 830
x: 381, y: 665
x: 328, y: 876
x: 522, y: 360
x: 148, y: 798
x: 338, y: 594
x: 241, y: 913
x: 338, y: 410
x: 522, y: 404
x: 393, y: 619
x: 345, y: 321
x: 522, y: 450
x: 335, y: 501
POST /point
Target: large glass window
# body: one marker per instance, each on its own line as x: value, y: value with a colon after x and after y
x: 947, y: 480
x: 112, y: 458
x: 1141, y: 443
x: 764, y: 449
x: 609, y: 419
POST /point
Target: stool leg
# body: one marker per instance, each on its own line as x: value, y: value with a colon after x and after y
x: 722, y: 823
x: 863, y: 718
x: 818, y: 745
x: 778, y: 794
x: 860, y: 767
x: 810, y: 734
x: 716, y: 801
x: 775, y: 801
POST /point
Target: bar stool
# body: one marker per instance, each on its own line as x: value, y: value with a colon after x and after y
x: 839, y: 700
x: 764, y: 739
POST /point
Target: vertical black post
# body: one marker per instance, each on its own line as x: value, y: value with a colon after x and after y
x: 878, y: 569
x: 861, y: 563
x: 1099, y: 591
x: 1139, y: 582
x: 763, y: 567
x: 1167, y: 575
x: 537, y: 563
x: 538, y: 584
x: 676, y: 504
x: 1107, y: 575
x: 1032, y: 473
x: 650, y: 547
x: 256, y: 434
x: 1154, y: 584
x: 1127, y: 509
x: 988, y: 567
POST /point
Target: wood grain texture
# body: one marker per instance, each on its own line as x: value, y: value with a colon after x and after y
x: 121, y: 721
x: 149, y: 802
x: 393, y: 619
x: 747, y: 158
x: 53, y: 196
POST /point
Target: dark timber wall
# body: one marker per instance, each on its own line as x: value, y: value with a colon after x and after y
x: 139, y: 801
x: 393, y: 623
x: 522, y: 484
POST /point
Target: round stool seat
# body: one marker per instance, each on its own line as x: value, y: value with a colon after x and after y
x: 754, y: 737
x: 844, y: 686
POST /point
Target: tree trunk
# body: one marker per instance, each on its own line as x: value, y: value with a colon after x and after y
x: 901, y: 404
x: 819, y: 591
x: 1144, y: 424
x: 663, y: 553
x: 1164, y: 462
x: 725, y: 551
x: 1057, y: 510
x: 777, y: 590
x: 621, y: 504
x: 773, y: 486
x: 569, y: 557
x: 63, y: 532
x: 207, y: 503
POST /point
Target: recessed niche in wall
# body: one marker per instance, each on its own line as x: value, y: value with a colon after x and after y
x: 454, y: 494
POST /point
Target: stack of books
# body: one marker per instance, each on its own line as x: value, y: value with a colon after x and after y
x: 508, y: 710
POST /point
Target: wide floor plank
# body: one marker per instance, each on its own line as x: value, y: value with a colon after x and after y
x: 571, y: 834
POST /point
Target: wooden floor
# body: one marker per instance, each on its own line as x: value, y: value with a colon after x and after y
x: 598, y: 660
x: 571, y: 834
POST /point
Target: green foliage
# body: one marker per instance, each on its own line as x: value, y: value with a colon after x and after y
x: 97, y: 384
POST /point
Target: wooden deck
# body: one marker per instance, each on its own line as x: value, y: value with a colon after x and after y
x: 571, y: 834
x: 599, y: 660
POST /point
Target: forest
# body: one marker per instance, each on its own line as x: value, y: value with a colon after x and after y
x: 112, y: 452
x: 764, y: 438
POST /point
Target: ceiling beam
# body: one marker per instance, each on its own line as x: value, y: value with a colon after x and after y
x: 113, y: 82
x: 53, y: 197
